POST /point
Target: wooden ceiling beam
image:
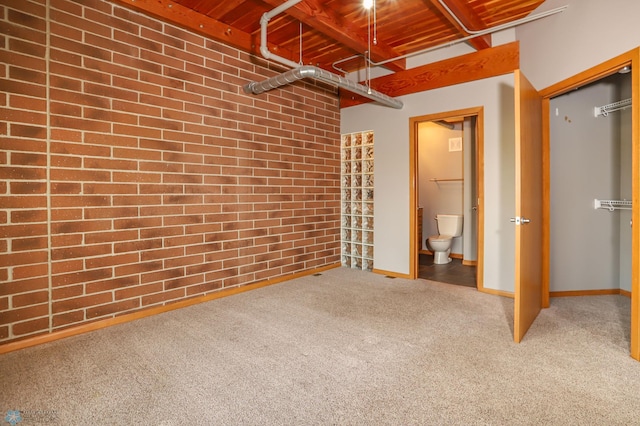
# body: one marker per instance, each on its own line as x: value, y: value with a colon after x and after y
x: 468, y: 18
x: 197, y: 22
x: 486, y: 63
x: 313, y: 14
x: 219, y: 8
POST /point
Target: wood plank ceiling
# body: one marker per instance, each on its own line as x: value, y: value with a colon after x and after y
x: 332, y: 30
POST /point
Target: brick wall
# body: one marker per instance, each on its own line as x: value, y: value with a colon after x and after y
x: 135, y: 172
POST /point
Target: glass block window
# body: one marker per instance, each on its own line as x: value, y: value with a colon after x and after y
x: 357, y: 200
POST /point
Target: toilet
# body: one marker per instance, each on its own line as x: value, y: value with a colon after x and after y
x: 449, y: 227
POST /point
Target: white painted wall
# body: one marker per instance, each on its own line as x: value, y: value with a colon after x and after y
x: 588, y: 33
x: 391, y: 127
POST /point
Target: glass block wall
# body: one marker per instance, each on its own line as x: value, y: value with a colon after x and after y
x: 357, y: 200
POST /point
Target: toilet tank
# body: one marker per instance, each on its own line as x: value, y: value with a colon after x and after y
x: 449, y: 224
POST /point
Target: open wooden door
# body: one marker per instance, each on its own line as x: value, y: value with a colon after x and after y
x: 528, y: 220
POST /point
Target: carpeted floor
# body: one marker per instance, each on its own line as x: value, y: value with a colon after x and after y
x: 343, y: 348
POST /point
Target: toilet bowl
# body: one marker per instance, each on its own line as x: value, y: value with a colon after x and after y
x: 449, y: 227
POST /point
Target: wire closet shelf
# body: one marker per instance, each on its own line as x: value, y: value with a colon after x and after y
x: 612, y: 205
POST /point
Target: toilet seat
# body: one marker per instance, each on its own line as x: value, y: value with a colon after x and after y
x: 440, y: 238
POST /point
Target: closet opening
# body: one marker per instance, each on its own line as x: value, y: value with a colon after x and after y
x: 591, y: 181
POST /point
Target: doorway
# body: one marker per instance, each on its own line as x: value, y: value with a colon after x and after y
x: 597, y: 73
x: 455, y: 138
x: 590, y: 236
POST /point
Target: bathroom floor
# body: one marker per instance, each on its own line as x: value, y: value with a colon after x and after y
x: 452, y: 273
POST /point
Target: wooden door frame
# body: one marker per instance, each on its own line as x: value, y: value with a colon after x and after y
x: 593, y: 74
x: 477, y: 112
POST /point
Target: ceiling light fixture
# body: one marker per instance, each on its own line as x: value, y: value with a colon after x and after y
x: 367, y: 4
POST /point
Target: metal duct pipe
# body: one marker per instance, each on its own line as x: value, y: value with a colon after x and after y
x: 322, y: 75
x: 299, y: 72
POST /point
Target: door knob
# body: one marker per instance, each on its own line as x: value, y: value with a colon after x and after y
x: 519, y: 220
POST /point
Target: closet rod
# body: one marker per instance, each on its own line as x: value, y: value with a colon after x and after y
x: 446, y: 180
x: 616, y: 106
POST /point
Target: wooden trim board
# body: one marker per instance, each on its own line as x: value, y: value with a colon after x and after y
x: 499, y: 60
x: 392, y: 274
x: 574, y: 293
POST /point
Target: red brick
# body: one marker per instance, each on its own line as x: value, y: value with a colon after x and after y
x: 80, y: 251
x: 28, y: 244
x: 23, y: 286
x: 101, y: 237
x: 22, y: 314
x: 67, y: 292
x: 203, y: 267
x: 112, y: 308
x: 136, y: 268
x: 109, y: 212
x: 19, y: 188
x: 67, y: 266
x: 139, y: 290
x: 68, y: 318
x: 164, y: 253
x: 165, y: 296
x: 183, y: 261
x: 22, y: 173
x: 31, y: 271
x: 183, y: 282
x: 29, y: 327
x: 204, y: 288
x: 142, y: 222
x: 81, y: 276
x: 27, y: 299
x: 75, y: 227
x: 163, y: 274
x: 111, y: 284
x: 81, y: 302
x: 120, y: 259
x: 26, y: 258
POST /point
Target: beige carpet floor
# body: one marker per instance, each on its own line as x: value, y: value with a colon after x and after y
x: 343, y: 348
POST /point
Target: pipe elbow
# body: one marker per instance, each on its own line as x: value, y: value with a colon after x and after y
x: 248, y: 88
x: 264, y: 51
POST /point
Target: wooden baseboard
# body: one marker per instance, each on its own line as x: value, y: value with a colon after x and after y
x: 85, y: 328
x: 574, y: 293
x: 390, y: 274
x: 501, y: 293
x: 469, y: 262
